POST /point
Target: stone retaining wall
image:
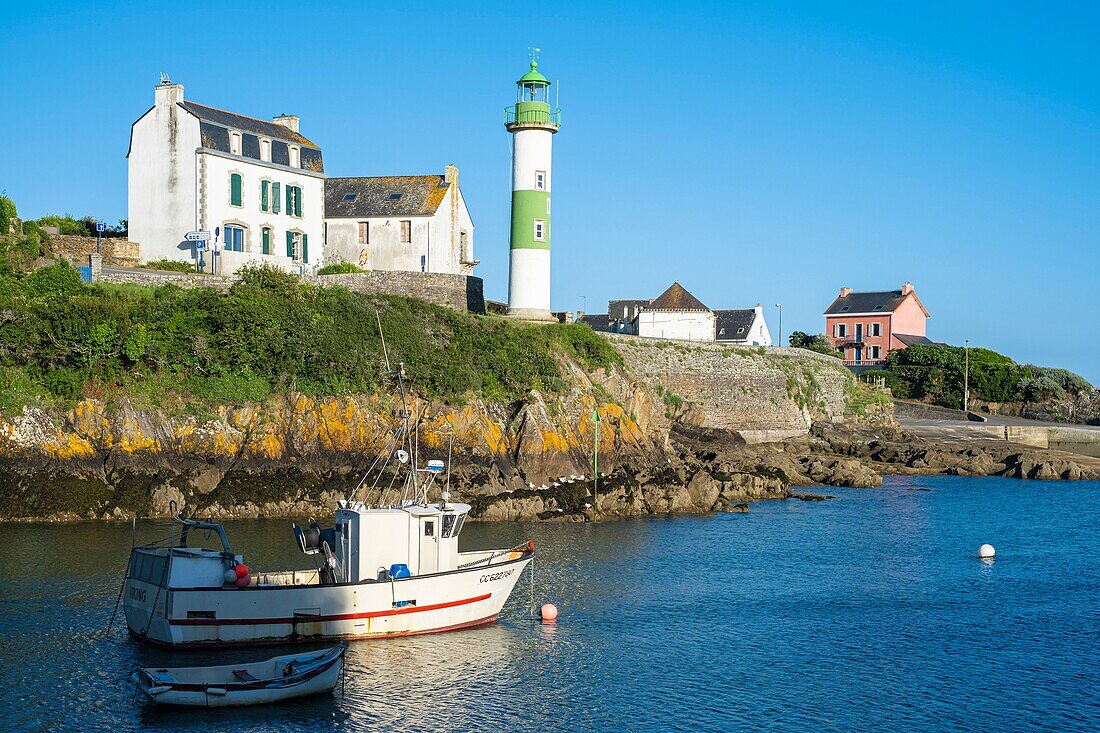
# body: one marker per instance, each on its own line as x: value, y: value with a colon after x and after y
x: 117, y: 252
x: 452, y: 291
x: 764, y: 393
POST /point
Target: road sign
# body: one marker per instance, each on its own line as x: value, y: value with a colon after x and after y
x: 99, y: 227
x: 198, y: 236
x: 200, y: 245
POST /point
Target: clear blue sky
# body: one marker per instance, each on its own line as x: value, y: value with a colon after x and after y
x: 754, y: 151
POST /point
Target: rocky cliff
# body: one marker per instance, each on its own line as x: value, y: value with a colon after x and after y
x: 682, y: 428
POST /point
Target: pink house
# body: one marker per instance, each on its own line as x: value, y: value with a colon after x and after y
x: 867, y: 326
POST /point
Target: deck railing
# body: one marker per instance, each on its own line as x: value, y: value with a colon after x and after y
x: 521, y: 115
x: 864, y: 362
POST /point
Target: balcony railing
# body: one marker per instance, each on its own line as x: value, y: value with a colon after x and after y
x: 528, y: 114
x: 864, y: 362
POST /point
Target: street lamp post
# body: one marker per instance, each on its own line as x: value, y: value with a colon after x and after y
x: 966, y: 375
x: 780, y: 307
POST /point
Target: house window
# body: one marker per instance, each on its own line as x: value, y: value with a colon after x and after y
x: 876, y: 352
x: 265, y: 150
x: 297, y: 246
x: 234, y: 238
x: 840, y: 330
x: 876, y: 329
x: 275, y: 197
x: 540, y: 180
x: 295, y: 158
x: 423, y: 263
x: 265, y: 240
x: 364, y: 232
x: 265, y: 195
x: 235, y: 196
x: 235, y: 143
x: 540, y: 230
x: 294, y: 200
x: 406, y: 232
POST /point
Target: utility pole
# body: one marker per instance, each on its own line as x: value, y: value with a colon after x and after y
x: 780, y: 307
x: 966, y: 375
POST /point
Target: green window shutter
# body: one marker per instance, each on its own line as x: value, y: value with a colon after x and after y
x: 235, y: 189
x: 267, y: 241
x: 263, y: 195
x: 305, y: 248
x: 290, y: 244
x: 290, y: 200
x: 275, y: 197
x: 297, y: 201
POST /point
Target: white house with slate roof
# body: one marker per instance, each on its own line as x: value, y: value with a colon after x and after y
x: 742, y: 327
x: 258, y: 184
x: 412, y: 223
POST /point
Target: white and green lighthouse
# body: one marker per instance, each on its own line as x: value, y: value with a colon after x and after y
x: 532, y: 123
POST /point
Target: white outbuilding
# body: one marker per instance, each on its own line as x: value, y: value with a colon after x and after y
x: 412, y: 223
x: 676, y: 314
x: 257, y: 186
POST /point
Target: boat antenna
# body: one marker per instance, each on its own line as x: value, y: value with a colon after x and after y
x: 381, y: 333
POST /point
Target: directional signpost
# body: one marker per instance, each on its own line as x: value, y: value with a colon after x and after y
x: 200, y: 237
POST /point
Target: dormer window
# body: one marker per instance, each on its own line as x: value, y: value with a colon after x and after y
x: 295, y: 158
x: 235, y: 143
x: 349, y: 197
x: 845, y: 309
x: 265, y: 151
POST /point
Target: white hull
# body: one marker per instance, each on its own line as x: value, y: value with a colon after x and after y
x: 218, y: 687
x: 227, y: 616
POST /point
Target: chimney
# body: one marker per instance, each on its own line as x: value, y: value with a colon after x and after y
x: 450, y: 173
x: 758, y: 308
x: 167, y: 93
x: 288, y: 121
x: 906, y: 288
x: 845, y: 292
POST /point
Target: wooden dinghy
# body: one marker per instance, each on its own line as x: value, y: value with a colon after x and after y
x: 270, y: 680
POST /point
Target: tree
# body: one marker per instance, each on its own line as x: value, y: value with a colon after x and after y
x: 819, y: 343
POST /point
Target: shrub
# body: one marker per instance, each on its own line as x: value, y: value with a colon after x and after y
x: 54, y: 281
x: 66, y: 224
x: 339, y: 268
x: 819, y: 343
x: 64, y: 382
x: 1037, y: 389
x: 170, y: 266
x: 8, y: 214
x: 1064, y: 378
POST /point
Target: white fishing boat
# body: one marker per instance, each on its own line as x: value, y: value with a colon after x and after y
x: 390, y: 568
x: 271, y: 680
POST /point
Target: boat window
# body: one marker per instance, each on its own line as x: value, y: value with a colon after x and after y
x: 149, y: 568
x: 429, y: 529
x: 448, y: 524
x: 458, y: 525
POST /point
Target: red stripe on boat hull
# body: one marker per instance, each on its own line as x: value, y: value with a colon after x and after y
x: 319, y: 618
x: 273, y: 640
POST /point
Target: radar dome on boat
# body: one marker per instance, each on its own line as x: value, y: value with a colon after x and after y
x: 435, y: 466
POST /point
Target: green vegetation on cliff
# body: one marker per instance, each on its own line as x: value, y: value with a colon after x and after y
x: 935, y: 373
x: 166, y: 346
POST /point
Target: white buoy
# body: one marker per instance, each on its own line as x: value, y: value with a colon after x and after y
x: 549, y: 612
x: 986, y: 551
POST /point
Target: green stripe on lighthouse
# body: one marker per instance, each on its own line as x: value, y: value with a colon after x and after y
x: 527, y: 207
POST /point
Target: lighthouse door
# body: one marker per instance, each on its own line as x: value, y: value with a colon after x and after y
x: 429, y: 545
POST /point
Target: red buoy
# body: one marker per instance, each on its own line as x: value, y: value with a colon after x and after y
x: 243, y: 581
x: 242, y: 570
x: 549, y: 613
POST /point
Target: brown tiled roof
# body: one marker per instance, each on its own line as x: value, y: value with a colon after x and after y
x: 375, y: 196
x: 263, y: 128
x: 676, y: 298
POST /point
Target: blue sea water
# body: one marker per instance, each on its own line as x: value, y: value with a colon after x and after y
x: 867, y: 612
